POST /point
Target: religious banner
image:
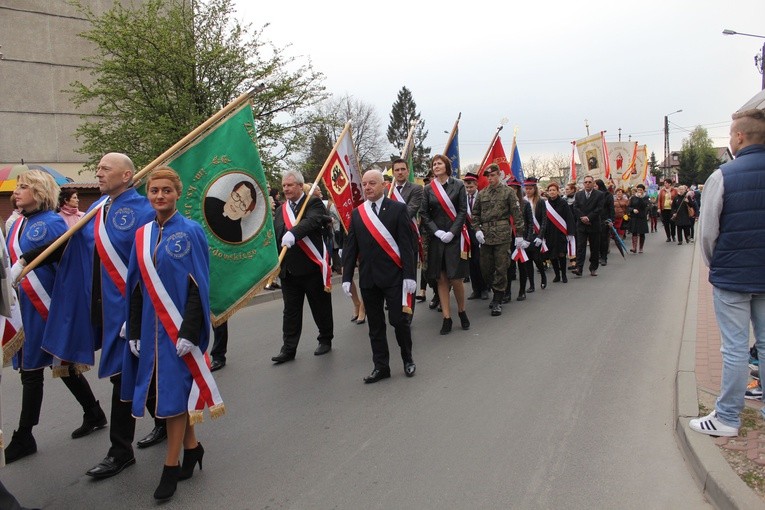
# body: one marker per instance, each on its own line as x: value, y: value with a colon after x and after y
x: 343, y: 178
x: 593, y: 156
x: 621, y: 157
x: 225, y: 191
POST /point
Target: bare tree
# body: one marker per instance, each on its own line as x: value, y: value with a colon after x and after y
x: 368, y: 137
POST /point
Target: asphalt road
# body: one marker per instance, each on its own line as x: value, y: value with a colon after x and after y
x: 565, y: 401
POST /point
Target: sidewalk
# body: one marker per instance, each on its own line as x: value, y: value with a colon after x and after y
x: 699, y: 370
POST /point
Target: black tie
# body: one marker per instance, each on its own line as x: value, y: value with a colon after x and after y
x: 471, y: 202
x: 374, y: 208
x: 587, y: 194
x: 399, y: 188
x: 294, y: 207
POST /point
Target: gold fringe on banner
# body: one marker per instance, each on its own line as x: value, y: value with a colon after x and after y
x: 243, y: 301
x: 60, y: 371
x: 12, y: 347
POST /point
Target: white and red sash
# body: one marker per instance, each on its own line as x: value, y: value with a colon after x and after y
x: 386, y: 241
x: 519, y: 253
x: 115, y: 267
x: 561, y: 225
x: 319, y: 258
x: 396, y: 196
x: 451, y: 212
x: 538, y: 231
x: 11, y: 332
x: 31, y: 284
x: 204, y: 391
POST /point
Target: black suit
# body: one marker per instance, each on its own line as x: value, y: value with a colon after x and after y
x: 592, y: 208
x: 380, y: 279
x: 476, y: 277
x: 301, y: 277
x: 412, y: 195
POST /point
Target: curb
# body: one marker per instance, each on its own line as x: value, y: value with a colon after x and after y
x: 719, y: 483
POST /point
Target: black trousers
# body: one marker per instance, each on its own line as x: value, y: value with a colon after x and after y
x: 591, y: 236
x: 669, y: 225
x: 476, y: 277
x: 605, y: 241
x: 375, y: 299
x: 122, y: 423
x: 295, y: 290
x: 32, y: 382
x: 220, y: 343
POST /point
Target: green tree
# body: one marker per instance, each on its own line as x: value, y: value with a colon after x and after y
x: 161, y: 69
x: 320, y: 147
x: 403, y: 113
x: 653, y: 167
x: 698, y: 158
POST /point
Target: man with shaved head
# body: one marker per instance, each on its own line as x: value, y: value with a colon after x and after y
x: 383, y: 244
x: 732, y: 237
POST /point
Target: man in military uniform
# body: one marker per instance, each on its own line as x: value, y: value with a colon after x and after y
x: 492, y: 212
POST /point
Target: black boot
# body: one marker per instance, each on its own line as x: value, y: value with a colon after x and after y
x: 93, y: 419
x: 464, y: 321
x: 556, y: 270
x: 190, y: 459
x: 496, y: 309
x: 22, y: 444
x: 446, y: 327
x: 168, y: 482
x: 505, y: 297
x: 530, y: 277
x: 543, y: 277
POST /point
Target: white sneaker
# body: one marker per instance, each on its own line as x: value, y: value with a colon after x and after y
x: 712, y: 426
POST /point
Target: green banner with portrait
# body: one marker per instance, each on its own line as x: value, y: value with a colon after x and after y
x: 225, y: 191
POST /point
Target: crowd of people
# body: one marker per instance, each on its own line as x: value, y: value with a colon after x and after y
x: 157, y: 328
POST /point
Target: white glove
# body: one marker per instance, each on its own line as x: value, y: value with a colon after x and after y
x: 537, y: 242
x: 518, y: 242
x: 347, y: 289
x: 447, y: 237
x: 410, y: 286
x: 440, y: 234
x: 569, y: 238
x: 16, y: 270
x: 480, y: 237
x: 183, y: 347
x: 525, y: 244
x: 288, y: 240
x: 135, y: 347
x: 123, y: 331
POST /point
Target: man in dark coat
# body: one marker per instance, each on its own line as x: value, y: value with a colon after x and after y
x: 588, y: 210
x: 382, y: 241
x: 302, y: 275
x: 480, y: 289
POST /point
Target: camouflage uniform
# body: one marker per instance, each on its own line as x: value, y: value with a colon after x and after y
x: 491, y: 215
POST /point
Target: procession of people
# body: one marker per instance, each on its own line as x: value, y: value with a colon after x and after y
x: 142, y: 274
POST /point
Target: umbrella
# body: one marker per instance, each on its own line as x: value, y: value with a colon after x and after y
x: 9, y: 174
x: 618, y: 241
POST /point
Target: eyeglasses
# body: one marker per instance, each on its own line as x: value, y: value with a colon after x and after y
x: 239, y: 202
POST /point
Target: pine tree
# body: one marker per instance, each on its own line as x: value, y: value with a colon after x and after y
x: 321, y: 146
x: 403, y: 113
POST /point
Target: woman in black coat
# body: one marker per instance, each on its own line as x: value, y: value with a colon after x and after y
x: 555, y: 238
x: 536, y: 257
x: 637, y: 207
x: 682, y: 210
x: 447, y: 260
x: 528, y: 235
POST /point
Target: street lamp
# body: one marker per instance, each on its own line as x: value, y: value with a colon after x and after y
x: 666, y: 141
x: 758, y: 59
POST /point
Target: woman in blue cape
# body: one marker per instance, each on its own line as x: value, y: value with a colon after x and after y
x: 36, y: 195
x: 168, y: 327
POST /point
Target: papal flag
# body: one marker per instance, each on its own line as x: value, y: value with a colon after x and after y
x: 343, y: 178
x: 593, y: 155
x: 225, y: 191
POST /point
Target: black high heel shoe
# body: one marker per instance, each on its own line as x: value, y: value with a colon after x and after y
x: 168, y: 483
x: 446, y: 327
x: 190, y: 459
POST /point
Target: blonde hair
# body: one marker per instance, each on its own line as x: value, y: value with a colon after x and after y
x: 165, y: 172
x: 752, y: 124
x: 44, y: 189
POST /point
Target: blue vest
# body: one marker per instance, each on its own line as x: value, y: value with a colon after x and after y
x: 738, y: 260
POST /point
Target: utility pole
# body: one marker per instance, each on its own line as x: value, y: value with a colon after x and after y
x: 666, y: 143
x: 620, y: 134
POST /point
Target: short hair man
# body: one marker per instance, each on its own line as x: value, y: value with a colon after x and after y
x: 588, y: 210
x: 386, y: 270
x: 732, y: 238
x: 480, y: 290
x: 302, y: 275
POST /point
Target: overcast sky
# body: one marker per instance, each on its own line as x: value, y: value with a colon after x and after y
x: 545, y: 66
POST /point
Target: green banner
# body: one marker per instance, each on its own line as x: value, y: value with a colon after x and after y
x: 225, y: 191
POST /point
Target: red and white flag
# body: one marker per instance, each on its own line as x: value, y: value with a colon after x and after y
x: 343, y: 177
